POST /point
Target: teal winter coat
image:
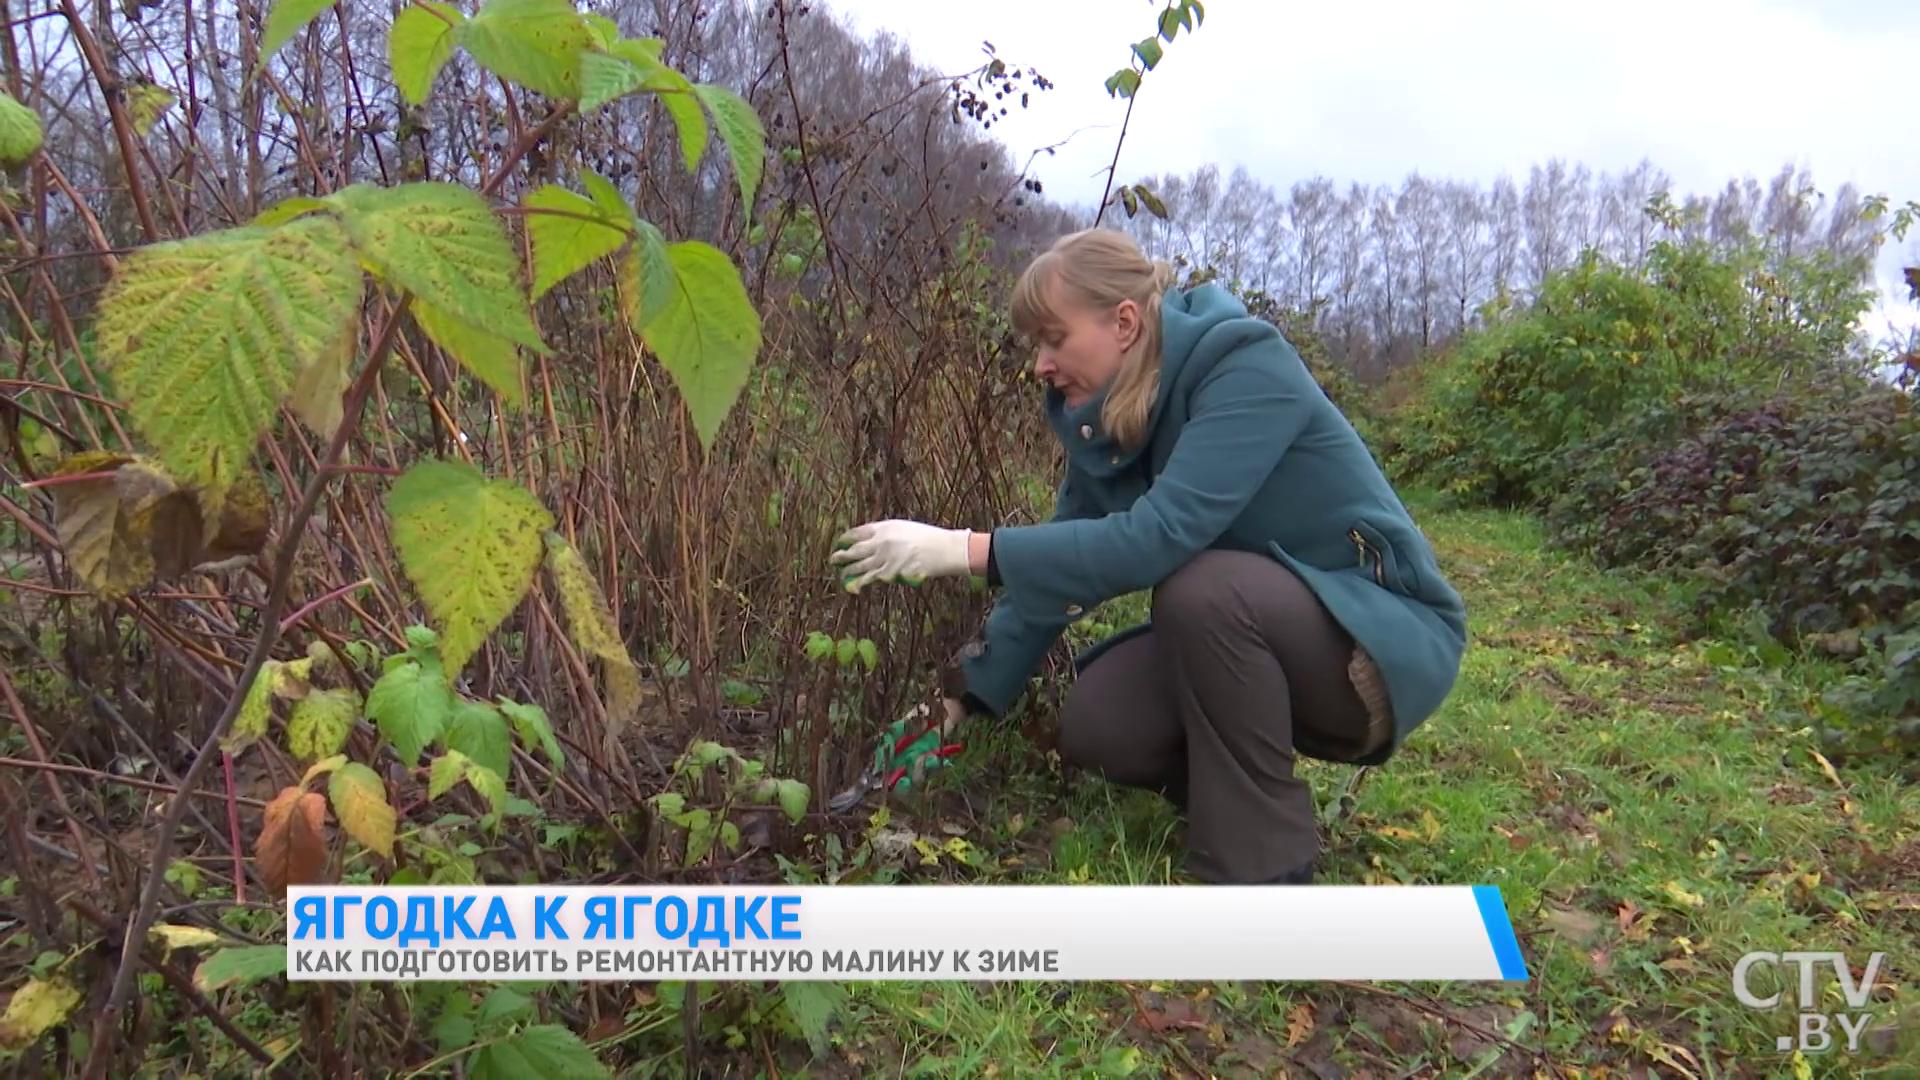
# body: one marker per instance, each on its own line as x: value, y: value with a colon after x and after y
x: 1243, y: 452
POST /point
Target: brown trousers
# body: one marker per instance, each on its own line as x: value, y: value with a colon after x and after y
x: 1242, y: 667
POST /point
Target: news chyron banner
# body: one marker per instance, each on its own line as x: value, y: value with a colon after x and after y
x: 911, y: 932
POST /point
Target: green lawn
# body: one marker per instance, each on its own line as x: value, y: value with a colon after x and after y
x: 1652, y: 809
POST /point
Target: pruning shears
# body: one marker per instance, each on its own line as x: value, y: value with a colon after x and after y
x: 907, y: 752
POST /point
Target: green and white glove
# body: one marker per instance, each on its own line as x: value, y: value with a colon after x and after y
x: 899, y: 551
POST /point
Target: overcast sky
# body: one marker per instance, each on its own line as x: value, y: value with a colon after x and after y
x: 1708, y: 90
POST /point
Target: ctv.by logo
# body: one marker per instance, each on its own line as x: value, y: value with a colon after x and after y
x: 1813, y: 1033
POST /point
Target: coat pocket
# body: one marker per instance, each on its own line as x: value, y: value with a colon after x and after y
x: 1379, y: 560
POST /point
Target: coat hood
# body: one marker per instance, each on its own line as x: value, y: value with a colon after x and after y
x: 1186, y: 316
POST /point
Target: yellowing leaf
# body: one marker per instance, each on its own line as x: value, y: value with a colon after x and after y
x: 288, y: 209
x: 204, y: 335
x: 569, y: 233
x: 292, y: 848
x: 447, y: 770
x: 420, y: 44
x: 443, y: 243
x: 1826, y: 766
x: 290, y: 678
x: 321, y: 768
x: 360, y: 802
x: 469, y: 544
x: 536, y: 43
x: 36, y: 1008
x: 593, y: 628
x: 488, y: 784
x: 741, y: 130
x: 21, y: 134
x: 256, y: 710
x: 320, y: 387
x: 321, y: 723
x: 1680, y: 894
x: 171, y: 937
x: 146, y: 104
x: 706, y: 334
x: 288, y: 18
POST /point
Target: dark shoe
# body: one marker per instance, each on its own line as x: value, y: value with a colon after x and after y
x: 1302, y: 875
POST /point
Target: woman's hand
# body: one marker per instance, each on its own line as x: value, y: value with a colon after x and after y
x: 902, y: 551
x: 918, y: 744
x: 911, y: 748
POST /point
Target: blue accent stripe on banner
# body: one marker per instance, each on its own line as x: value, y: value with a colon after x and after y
x: 1506, y: 947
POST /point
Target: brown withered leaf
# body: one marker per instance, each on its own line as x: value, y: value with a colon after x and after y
x: 292, y: 848
x: 127, y: 523
x: 171, y: 524
x: 1579, y: 927
x: 1625, y: 916
x: 236, y: 522
x: 123, y: 525
x: 1299, y: 1024
x: 1175, y: 1014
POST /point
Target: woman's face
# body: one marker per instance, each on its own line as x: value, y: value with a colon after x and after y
x: 1082, y: 352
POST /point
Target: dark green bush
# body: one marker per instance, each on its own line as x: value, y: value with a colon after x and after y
x: 1592, y: 479
x: 1603, y: 342
x: 1798, y: 513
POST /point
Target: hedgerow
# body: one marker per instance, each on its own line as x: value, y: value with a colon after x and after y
x: 1602, y: 343
x: 1708, y: 418
x: 1797, y: 514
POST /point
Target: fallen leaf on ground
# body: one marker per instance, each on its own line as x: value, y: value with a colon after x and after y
x: 1299, y: 1025
x: 1579, y: 927
x: 1625, y: 917
x: 1682, y: 895
x: 1175, y: 1014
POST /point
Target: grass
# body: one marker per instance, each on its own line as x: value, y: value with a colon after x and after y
x: 1652, y: 808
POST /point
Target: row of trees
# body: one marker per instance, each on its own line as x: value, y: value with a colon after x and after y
x: 1389, y: 273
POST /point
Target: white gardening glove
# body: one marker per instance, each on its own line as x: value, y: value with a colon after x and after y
x: 899, y: 551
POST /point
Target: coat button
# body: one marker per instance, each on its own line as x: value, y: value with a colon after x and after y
x: 1086, y: 431
x: 1114, y: 460
x: 1073, y: 609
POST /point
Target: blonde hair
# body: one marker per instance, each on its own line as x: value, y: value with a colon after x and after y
x: 1100, y: 268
